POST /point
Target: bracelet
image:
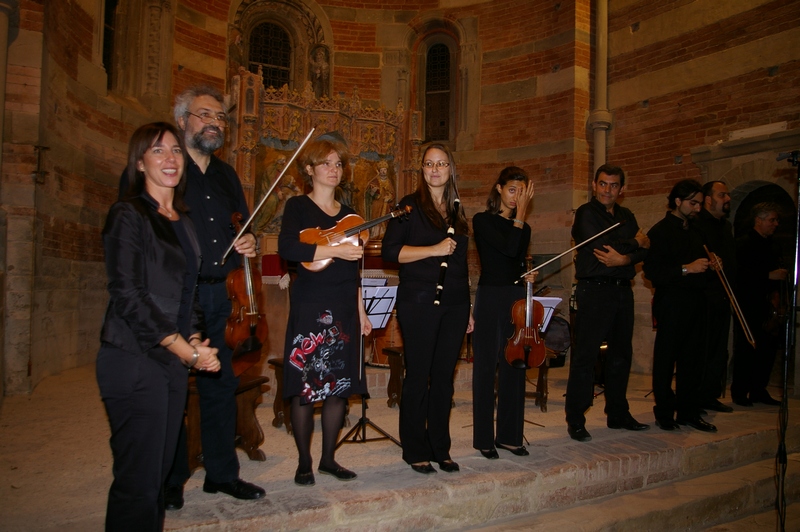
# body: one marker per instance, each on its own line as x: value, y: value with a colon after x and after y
x: 518, y: 221
x: 193, y: 338
x: 195, y: 358
x: 177, y: 335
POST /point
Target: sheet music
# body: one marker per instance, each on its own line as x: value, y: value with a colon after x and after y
x: 549, y: 304
x: 379, y: 302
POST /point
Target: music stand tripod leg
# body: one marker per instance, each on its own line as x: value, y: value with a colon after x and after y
x: 361, y: 427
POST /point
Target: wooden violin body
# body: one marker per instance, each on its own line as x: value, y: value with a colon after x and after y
x: 526, y: 349
x: 352, y: 229
x: 246, y: 328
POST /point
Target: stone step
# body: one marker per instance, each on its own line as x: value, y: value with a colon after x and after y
x: 686, y: 504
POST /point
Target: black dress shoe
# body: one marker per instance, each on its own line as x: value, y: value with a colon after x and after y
x: 448, y: 466
x: 626, y: 423
x: 667, y: 424
x: 339, y: 472
x: 304, y: 479
x: 425, y: 469
x: 697, y: 423
x: 491, y: 454
x: 717, y: 406
x: 238, y: 489
x: 742, y: 401
x: 173, y: 497
x: 517, y: 451
x: 579, y: 433
x: 766, y: 400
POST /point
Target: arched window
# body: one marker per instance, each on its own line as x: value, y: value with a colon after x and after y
x: 110, y: 13
x: 271, y: 49
x: 437, y: 93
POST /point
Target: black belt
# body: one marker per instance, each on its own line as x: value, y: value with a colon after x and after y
x: 210, y: 280
x: 606, y: 280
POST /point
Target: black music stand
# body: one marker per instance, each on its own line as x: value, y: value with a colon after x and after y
x: 378, y: 302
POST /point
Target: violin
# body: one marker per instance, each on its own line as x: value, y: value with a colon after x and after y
x: 525, y: 349
x: 246, y: 328
x: 352, y: 229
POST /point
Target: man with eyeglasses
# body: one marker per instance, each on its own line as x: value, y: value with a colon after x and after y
x: 604, y: 269
x: 213, y: 193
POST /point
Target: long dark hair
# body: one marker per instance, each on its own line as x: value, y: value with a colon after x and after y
x: 425, y: 201
x: 142, y: 140
x: 510, y: 173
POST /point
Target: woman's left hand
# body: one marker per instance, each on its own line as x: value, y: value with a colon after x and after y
x: 246, y: 245
x: 470, y: 323
x: 366, y: 325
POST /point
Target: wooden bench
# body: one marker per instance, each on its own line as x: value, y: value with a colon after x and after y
x: 249, y: 436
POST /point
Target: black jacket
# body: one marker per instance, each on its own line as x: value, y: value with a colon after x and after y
x: 145, y: 264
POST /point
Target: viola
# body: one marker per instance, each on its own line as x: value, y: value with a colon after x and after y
x: 525, y: 349
x: 246, y: 328
x: 352, y: 229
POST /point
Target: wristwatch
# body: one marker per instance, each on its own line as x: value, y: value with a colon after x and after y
x: 684, y: 271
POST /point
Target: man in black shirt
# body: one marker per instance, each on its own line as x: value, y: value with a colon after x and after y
x: 718, y: 236
x: 760, y: 277
x: 676, y: 265
x: 604, y: 269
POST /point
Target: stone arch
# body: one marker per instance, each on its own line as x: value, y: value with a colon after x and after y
x: 305, y: 23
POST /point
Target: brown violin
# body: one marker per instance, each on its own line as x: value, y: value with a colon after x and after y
x: 526, y: 349
x: 351, y: 229
x: 246, y: 329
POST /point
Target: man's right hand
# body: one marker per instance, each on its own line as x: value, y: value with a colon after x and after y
x: 698, y: 266
x: 778, y: 275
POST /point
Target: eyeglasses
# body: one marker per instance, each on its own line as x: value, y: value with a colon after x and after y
x: 207, y: 118
x: 437, y: 164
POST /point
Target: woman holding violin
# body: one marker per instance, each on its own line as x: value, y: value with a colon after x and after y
x: 322, y: 355
x: 152, y: 327
x: 502, y: 239
x: 432, y: 333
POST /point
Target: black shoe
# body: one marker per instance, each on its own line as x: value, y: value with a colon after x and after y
x: 716, y: 406
x: 491, y: 454
x: 667, y: 424
x: 238, y: 489
x: 697, y: 423
x: 173, y: 497
x: 517, y: 451
x: 425, y: 469
x: 339, y: 472
x: 766, y: 400
x: 626, y: 423
x: 701, y: 412
x: 742, y: 401
x: 448, y: 466
x: 579, y: 433
x: 304, y: 479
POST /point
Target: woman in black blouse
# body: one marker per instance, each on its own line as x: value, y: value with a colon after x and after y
x: 322, y: 355
x: 152, y: 327
x: 432, y: 334
x: 502, y: 239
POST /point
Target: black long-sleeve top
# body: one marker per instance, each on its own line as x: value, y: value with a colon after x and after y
x: 418, y: 279
x: 501, y: 247
x: 672, y: 246
x: 592, y: 218
x: 756, y: 256
x: 718, y: 236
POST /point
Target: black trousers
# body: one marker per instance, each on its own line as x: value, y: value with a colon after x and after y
x: 144, y: 400
x: 217, y: 393
x: 680, y: 349
x: 605, y: 314
x: 493, y: 328
x: 432, y: 338
x: 752, y: 367
x: 718, y: 323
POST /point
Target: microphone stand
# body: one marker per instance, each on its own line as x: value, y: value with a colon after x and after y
x: 789, y: 347
x: 359, y: 430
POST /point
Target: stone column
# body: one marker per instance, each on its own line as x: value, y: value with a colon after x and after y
x: 600, y: 117
x: 7, y: 7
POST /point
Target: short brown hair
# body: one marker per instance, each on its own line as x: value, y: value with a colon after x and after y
x: 315, y: 153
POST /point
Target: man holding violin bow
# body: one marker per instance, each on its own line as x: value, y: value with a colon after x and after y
x: 604, y: 270
x: 213, y: 193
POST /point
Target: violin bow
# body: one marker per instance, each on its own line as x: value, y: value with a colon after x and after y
x: 542, y: 265
x: 731, y: 297
x: 246, y: 225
